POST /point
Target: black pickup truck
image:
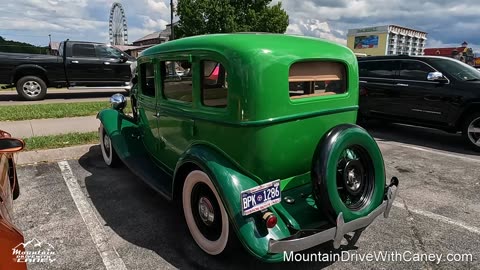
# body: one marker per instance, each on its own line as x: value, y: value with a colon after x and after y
x: 79, y: 64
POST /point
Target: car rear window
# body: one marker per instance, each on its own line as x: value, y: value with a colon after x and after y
x: 310, y: 79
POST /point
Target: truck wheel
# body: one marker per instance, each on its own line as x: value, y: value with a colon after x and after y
x: 31, y: 88
x: 206, y: 217
x: 471, y: 131
x: 348, y: 173
x: 108, y: 152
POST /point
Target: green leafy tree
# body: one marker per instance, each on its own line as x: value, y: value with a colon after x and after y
x: 20, y: 47
x: 198, y: 17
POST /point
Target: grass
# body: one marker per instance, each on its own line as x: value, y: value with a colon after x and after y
x: 53, y: 110
x: 7, y: 89
x: 60, y: 141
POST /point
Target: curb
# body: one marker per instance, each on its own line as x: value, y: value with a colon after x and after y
x: 52, y: 155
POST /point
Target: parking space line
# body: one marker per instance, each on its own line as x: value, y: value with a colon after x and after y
x: 110, y: 257
x: 440, y: 218
x: 427, y: 150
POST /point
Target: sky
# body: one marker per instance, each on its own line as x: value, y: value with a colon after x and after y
x: 448, y: 23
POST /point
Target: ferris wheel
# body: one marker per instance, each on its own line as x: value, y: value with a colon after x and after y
x: 117, y: 25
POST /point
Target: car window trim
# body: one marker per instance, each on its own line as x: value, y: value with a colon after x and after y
x: 397, y: 74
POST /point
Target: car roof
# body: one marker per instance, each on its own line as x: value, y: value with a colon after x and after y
x: 254, y: 44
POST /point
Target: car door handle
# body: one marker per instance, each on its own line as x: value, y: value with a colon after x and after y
x: 401, y: 84
x: 75, y: 62
x: 106, y: 63
x: 157, y: 115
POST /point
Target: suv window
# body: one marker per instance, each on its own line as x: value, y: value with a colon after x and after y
x: 177, y: 80
x: 414, y: 70
x: 214, y: 84
x: 147, y: 79
x: 83, y: 50
x: 377, y: 69
x: 308, y: 79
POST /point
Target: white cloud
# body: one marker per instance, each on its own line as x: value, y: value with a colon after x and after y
x: 445, y: 21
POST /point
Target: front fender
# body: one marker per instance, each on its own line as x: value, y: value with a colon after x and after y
x: 229, y: 183
x: 122, y: 130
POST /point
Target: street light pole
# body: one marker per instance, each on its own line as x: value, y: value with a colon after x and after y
x: 171, y: 20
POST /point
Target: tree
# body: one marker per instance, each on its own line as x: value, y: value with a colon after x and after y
x: 198, y: 17
x: 20, y: 47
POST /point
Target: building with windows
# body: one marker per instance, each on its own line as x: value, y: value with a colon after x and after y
x: 386, y: 40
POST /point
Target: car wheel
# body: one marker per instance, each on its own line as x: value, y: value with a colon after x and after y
x: 348, y: 173
x: 31, y: 88
x: 206, y: 217
x: 108, y: 152
x: 471, y: 131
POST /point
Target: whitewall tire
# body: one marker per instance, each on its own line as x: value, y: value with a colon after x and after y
x: 205, y: 214
x: 109, y: 155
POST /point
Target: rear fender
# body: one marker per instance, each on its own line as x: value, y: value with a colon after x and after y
x: 230, y: 182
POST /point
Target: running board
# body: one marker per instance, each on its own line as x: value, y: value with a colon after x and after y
x: 126, y: 88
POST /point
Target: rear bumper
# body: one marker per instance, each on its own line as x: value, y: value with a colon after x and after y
x: 299, y: 241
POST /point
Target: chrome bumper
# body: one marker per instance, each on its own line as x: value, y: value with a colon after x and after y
x: 297, y: 243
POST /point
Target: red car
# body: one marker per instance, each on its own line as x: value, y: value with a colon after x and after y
x: 10, y: 235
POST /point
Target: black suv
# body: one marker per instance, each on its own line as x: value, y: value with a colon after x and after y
x: 429, y: 91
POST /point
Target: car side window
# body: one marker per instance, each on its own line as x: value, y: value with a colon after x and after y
x: 147, y: 79
x: 177, y: 80
x: 108, y: 52
x: 377, y: 69
x: 414, y: 70
x: 214, y: 84
x: 83, y: 50
x: 319, y: 78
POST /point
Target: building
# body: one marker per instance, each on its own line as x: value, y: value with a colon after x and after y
x: 462, y: 53
x: 386, y: 40
x: 149, y: 41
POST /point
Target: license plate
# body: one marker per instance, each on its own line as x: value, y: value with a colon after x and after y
x: 261, y: 197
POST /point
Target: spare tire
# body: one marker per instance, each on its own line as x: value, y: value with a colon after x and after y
x: 348, y: 174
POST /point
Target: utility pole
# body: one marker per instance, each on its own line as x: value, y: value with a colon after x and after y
x: 171, y: 20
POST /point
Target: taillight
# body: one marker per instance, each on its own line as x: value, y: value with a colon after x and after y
x: 270, y: 220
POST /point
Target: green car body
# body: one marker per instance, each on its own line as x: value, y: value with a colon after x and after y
x: 261, y: 135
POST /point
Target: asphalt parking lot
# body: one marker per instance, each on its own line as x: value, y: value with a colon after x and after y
x: 101, y: 218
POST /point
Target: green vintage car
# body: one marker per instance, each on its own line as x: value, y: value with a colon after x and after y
x: 253, y: 135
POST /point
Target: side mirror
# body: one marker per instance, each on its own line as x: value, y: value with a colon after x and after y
x: 118, y: 102
x: 123, y: 58
x: 11, y: 145
x: 435, y: 76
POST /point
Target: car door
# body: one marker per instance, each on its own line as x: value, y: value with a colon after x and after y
x: 422, y: 100
x: 147, y: 108
x: 377, y: 90
x: 176, y: 126
x: 83, y: 67
x: 116, y: 69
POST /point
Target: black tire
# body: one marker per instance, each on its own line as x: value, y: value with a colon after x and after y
x: 108, y: 151
x: 470, y: 133
x: 348, y: 174
x: 31, y: 88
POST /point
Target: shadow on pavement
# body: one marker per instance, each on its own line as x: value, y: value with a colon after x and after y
x: 144, y: 218
x: 427, y: 137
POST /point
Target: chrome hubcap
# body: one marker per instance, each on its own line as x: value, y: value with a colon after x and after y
x: 205, y: 209
x: 32, y: 88
x: 353, y: 180
x: 474, y: 131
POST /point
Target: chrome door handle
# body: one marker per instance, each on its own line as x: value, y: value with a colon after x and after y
x: 401, y: 84
x: 106, y: 63
x: 156, y: 115
x: 74, y: 62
